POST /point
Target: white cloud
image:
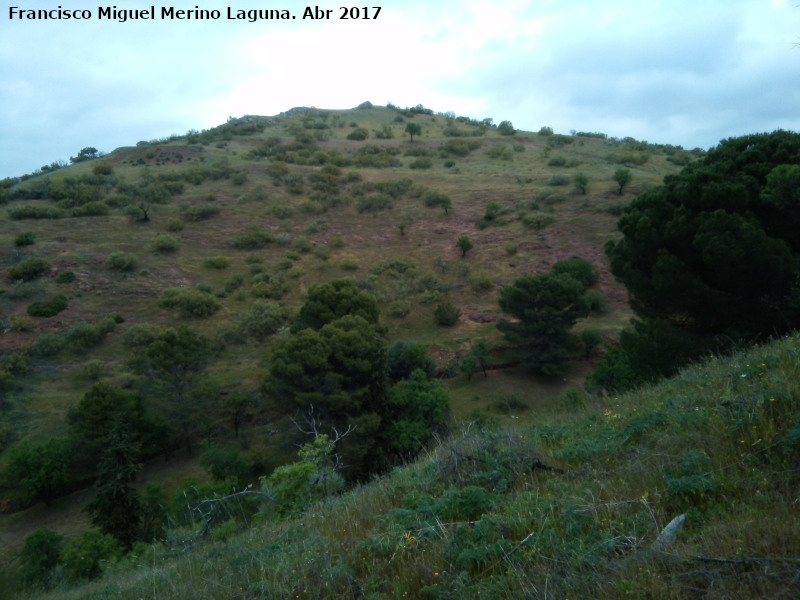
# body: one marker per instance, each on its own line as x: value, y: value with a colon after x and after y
x: 681, y: 72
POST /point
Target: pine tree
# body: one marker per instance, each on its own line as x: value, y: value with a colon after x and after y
x: 117, y: 508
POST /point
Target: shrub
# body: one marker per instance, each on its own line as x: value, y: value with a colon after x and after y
x: 263, y: 319
x: 21, y: 324
x: 538, y: 220
x: 92, y: 369
x: 349, y: 264
x: 201, y: 212
x: 48, y: 344
x: 253, y: 238
x: 374, y: 203
x: 358, y: 134
x: 512, y: 248
x: 273, y: 287
x: 28, y: 270
x: 40, y: 556
x: 25, y: 239
x: 559, y: 180
x: 29, y: 211
x: 217, y: 262
x: 66, y: 277
x: 121, y: 261
x: 281, y: 211
x: 598, y: 303
x: 48, y: 309
x: 399, y: 309
x: 175, y: 224
x: 84, y: 335
x: 189, y: 303
x: 447, y: 314
x: 557, y: 161
x: 423, y: 162
x: 578, y: 268
x: 233, y: 283
x: 91, y: 209
x: 481, y: 281
x: 83, y: 556
x: 163, y: 243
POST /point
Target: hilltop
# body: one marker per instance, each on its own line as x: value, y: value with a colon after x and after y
x: 259, y: 210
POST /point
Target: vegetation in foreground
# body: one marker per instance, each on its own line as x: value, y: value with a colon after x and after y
x: 576, y: 506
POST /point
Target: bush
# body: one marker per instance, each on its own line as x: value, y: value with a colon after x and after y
x: 28, y: 270
x: 423, y: 162
x: 578, y: 268
x: 25, y: 239
x: 175, y: 225
x: 217, y: 262
x: 253, y: 239
x: 263, y: 319
x: 374, y: 203
x: 82, y: 556
x: 48, y: 309
x: 201, y: 212
x: 21, y: 324
x: 66, y: 277
x: 358, y: 134
x: 538, y: 220
x: 48, y: 344
x: 447, y: 314
x: 91, y: 209
x: 559, y: 180
x: 163, y: 243
x: 40, y: 556
x: 121, y: 261
x: 481, y: 282
x: 84, y: 335
x: 189, y: 303
x: 29, y: 211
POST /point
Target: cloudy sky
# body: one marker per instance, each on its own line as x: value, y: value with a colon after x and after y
x: 684, y: 72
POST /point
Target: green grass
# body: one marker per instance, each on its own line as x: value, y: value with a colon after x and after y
x: 573, y: 505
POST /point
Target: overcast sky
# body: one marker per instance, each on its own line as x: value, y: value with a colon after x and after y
x: 684, y: 72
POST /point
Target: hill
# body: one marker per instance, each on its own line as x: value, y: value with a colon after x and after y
x: 260, y: 209
x: 686, y: 489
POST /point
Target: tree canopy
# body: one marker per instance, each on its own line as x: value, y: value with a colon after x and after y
x: 714, y: 252
x: 546, y: 306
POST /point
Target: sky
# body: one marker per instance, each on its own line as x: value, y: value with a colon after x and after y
x: 681, y: 72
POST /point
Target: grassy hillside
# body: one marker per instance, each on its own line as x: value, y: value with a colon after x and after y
x: 573, y: 506
x: 262, y: 208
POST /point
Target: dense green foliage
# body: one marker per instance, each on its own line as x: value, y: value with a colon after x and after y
x: 712, y: 257
x: 546, y: 307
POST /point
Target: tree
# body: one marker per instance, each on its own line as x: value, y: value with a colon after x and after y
x: 581, y: 182
x: 117, y: 507
x: 87, y: 153
x: 446, y: 204
x: 177, y: 360
x: 40, y: 556
x: 405, y: 357
x: 40, y: 471
x: 546, y: 307
x: 506, y: 128
x: 623, y: 177
x: 482, y: 352
x: 101, y: 410
x: 327, y: 302
x: 712, y: 256
x: 413, y: 129
x: 465, y: 245
x: 416, y: 407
